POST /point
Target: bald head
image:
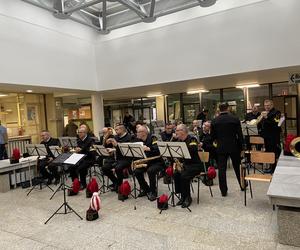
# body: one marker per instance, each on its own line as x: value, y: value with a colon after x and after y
x: 82, y: 132
x: 45, y: 135
x: 142, y: 133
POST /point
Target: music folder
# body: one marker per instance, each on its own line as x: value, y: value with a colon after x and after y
x: 68, y: 158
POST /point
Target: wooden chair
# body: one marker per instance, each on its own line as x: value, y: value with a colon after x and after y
x: 256, y: 157
x: 204, y: 157
x: 257, y: 142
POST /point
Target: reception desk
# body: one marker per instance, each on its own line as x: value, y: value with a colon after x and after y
x: 284, y: 192
x: 7, y: 170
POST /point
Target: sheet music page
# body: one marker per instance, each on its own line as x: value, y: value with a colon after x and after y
x: 74, y: 158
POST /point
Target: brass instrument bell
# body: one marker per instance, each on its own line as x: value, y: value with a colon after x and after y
x: 295, y: 147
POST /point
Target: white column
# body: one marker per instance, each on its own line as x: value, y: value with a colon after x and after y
x: 98, y: 113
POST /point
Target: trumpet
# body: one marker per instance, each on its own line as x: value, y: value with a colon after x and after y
x: 142, y: 162
x: 177, y: 166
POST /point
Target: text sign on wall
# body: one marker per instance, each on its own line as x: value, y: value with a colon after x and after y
x: 294, y: 78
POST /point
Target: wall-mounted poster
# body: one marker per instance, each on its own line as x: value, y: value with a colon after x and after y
x: 85, y: 112
x: 31, y: 113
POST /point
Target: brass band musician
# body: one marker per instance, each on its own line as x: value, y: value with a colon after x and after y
x: 153, y: 166
x: 191, y: 167
x: 270, y: 130
x: 84, y: 142
x: 121, y: 162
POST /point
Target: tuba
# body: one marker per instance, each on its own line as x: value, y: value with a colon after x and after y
x: 295, y: 147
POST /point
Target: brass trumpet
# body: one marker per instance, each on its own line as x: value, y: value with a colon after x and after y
x: 142, y: 162
x: 177, y: 166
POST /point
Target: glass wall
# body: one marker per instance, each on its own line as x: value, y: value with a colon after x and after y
x: 191, y: 107
x: 210, y: 101
x: 174, y: 107
x: 257, y: 96
x: 236, y: 101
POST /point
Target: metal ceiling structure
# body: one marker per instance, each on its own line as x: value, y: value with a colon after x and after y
x: 107, y: 15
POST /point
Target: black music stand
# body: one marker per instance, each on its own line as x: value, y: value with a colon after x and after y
x: 70, y: 142
x: 174, y: 150
x: 55, y: 150
x: 134, y: 151
x: 66, y: 160
x: 102, y: 152
x: 38, y: 150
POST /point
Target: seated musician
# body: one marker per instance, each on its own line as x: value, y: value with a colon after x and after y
x: 191, y: 167
x: 47, y: 170
x: 153, y: 166
x: 108, y: 133
x: 206, y: 141
x: 120, y: 162
x: 168, y: 133
x: 84, y: 142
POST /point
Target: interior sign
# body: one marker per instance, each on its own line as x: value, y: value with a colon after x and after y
x: 294, y: 78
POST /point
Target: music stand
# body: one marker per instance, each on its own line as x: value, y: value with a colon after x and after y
x: 249, y: 130
x: 102, y: 152
x: 66, y: 160
x: 38, y: 150
x: 174, y: 150
x: 70, y: 142
x: 133, y: 150
x: 55, y: 150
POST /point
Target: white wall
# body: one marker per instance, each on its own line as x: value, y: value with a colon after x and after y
x: 255, y: 37
x: 38, y: 49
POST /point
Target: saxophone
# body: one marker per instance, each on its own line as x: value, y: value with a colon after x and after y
x: 177, y: 166
x: 142, y: 162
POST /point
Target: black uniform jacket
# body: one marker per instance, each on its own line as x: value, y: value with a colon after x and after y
x: 122, y: 139
x: 192, y: 145
x: 51, y: 142
x: 165, y: 136
x: 269, y: 126
x: 85, y: 146
x: 227, y: 132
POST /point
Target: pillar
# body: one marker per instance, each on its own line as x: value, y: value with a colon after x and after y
x: 160, y: 108
x: 97, y: 113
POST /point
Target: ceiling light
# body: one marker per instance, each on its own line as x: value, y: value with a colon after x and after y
x: 3, y: 95
x: 29, y: 91
x: 207, y: 3
x: 252, y: 85
x: 190, y: 92
x: 154, y: 95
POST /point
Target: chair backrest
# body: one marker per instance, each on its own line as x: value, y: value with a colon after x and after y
x: 262, y: 157
x: 257, y: 140
x: 204, y: 156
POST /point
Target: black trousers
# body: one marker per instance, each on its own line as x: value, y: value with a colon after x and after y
x: 3, y: 153
x: 183, y: 179
x: 152, y: 171
x: 222, y: 166
x: 119, y: 166
x: 81, y: 169
x: 44, y: 171
x: 273, y: 146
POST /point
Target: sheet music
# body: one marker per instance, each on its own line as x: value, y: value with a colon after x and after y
x: 177, y: 149
x: 101, y: 150
x: 74, y: 158
x: 135, y: 150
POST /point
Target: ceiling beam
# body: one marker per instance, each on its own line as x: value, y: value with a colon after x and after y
x: 134, y: 7
x: 82, y: 6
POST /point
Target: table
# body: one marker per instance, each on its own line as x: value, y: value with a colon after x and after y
x: 6, y: 169
x: 284, y: 192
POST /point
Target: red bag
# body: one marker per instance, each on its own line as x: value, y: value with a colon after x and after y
x: 211, y: 172
x: 125, y: 188
x: 16, y: 154
x: 169, y: 171
x: 76, y: 186
x: 287, y: 142
x: 92, y: 186
x: 163, y: 198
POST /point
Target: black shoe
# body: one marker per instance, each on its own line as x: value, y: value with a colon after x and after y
x: 180, y: 202
x: 224, y: 194
x: 142, y: 194
x: 268, y: 171
x: 187, y: 202
x: 151, y: 196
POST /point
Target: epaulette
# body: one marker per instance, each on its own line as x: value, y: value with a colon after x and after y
x: 193, y: 141
x: 154, y: 139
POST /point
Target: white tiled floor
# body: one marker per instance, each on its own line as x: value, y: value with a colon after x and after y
x: 216, y: 223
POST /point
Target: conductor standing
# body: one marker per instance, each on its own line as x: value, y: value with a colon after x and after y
x: 227, y: 132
